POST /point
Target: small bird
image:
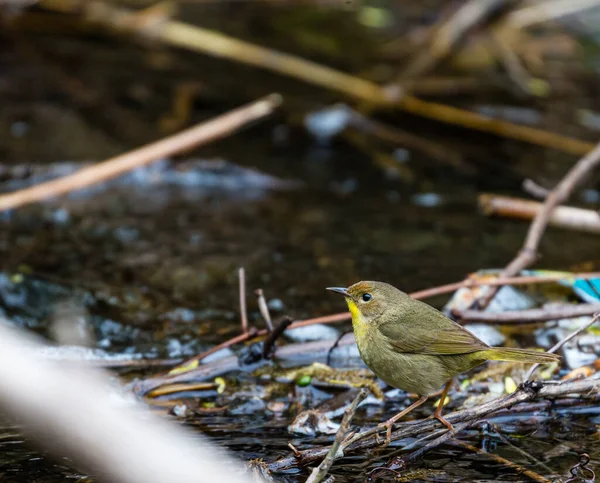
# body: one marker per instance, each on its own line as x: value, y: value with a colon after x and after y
x: 412, y: 346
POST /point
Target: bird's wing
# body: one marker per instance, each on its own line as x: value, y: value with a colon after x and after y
x: 436, y: 334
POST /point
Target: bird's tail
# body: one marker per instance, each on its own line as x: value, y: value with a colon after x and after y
x: 520, y: 355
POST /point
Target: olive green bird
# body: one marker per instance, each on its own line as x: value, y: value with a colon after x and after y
x: 412, y: 346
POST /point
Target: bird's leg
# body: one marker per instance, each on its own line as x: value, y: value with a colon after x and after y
x: 390, y: 422
x: 438, y: 411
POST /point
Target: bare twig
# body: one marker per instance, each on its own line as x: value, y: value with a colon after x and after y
x: 528, y: 316
x: 566, y: 217
x: 530, y: 457
x: 561, y: 343
x: 444, y: 38
x: 526, y: 392
x: 213, y: 43
x: 560, y: 194
x: 264, y: 309
x: 535, y: 189
x: 503, y: 461
x: 321, y: 471
x: 243, y: 309
x: 269, y: 345
x: 201, y: 134
x: 547, y: 10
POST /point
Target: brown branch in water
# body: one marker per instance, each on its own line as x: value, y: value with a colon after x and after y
x: 569, y: 337
x: 321, y: 471
x: 190, y: 138
x: 528, y: 316
x: 503, y: 461
x: 243, y: 309
x: 197, y: 39
x: 566, y: 217
x: 264, y: 309
x: 526, y: 392
x: 561, y: 193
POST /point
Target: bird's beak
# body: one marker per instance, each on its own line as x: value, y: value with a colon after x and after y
x: 340, y: 290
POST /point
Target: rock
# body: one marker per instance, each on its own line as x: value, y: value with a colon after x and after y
x: 312, y: 333
x: 313, y: 423
x: 487, y: 333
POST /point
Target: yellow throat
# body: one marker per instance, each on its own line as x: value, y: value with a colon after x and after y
x: 358, y: 323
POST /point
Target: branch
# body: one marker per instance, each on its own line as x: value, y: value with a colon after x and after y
x: 201, y: 134
x: 321, y: 471
x: 566, y: 217
x: 526, y: 392
x: 557, y: 196
x: 528, y: 316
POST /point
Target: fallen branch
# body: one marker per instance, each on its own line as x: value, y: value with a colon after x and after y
x: 567, y: 217
x: 321, y: 471
x: 197, y: 39
x: 528, y: 316
x: 201, y: 134
x: 526, y: 392
x: 528, y: 254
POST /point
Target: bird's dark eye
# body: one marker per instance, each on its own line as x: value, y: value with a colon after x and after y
x: 366, y: 297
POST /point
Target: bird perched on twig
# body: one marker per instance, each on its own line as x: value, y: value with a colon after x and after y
x: 412, y: 346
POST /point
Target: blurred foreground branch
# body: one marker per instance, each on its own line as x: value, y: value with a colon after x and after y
x: 71, y: 411
x: 185, y: 140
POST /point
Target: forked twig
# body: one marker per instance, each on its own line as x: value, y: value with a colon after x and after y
x: 561, y: 343
x: 321, y: 471
x: 528, y: 254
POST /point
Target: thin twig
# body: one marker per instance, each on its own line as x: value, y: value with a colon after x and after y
x: 561, y: 343
x: 530, y: 457
x: 197, y: 39
x: 321, y: 471
x: 190, y: 138
x: 535, y: 190
x: 547, y: 10
x: 528, y: 316
x: 243, y: 309
x: 528, y: 254
x: 503, y: 461
x: 264, y: 309
x: 269, y: 345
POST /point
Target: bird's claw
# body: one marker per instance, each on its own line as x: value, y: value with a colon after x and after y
x: 388, y: 425
x: 444, y: 421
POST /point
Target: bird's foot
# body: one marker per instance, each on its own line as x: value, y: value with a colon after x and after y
x: 444, y: 421
x: 388, y: 425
